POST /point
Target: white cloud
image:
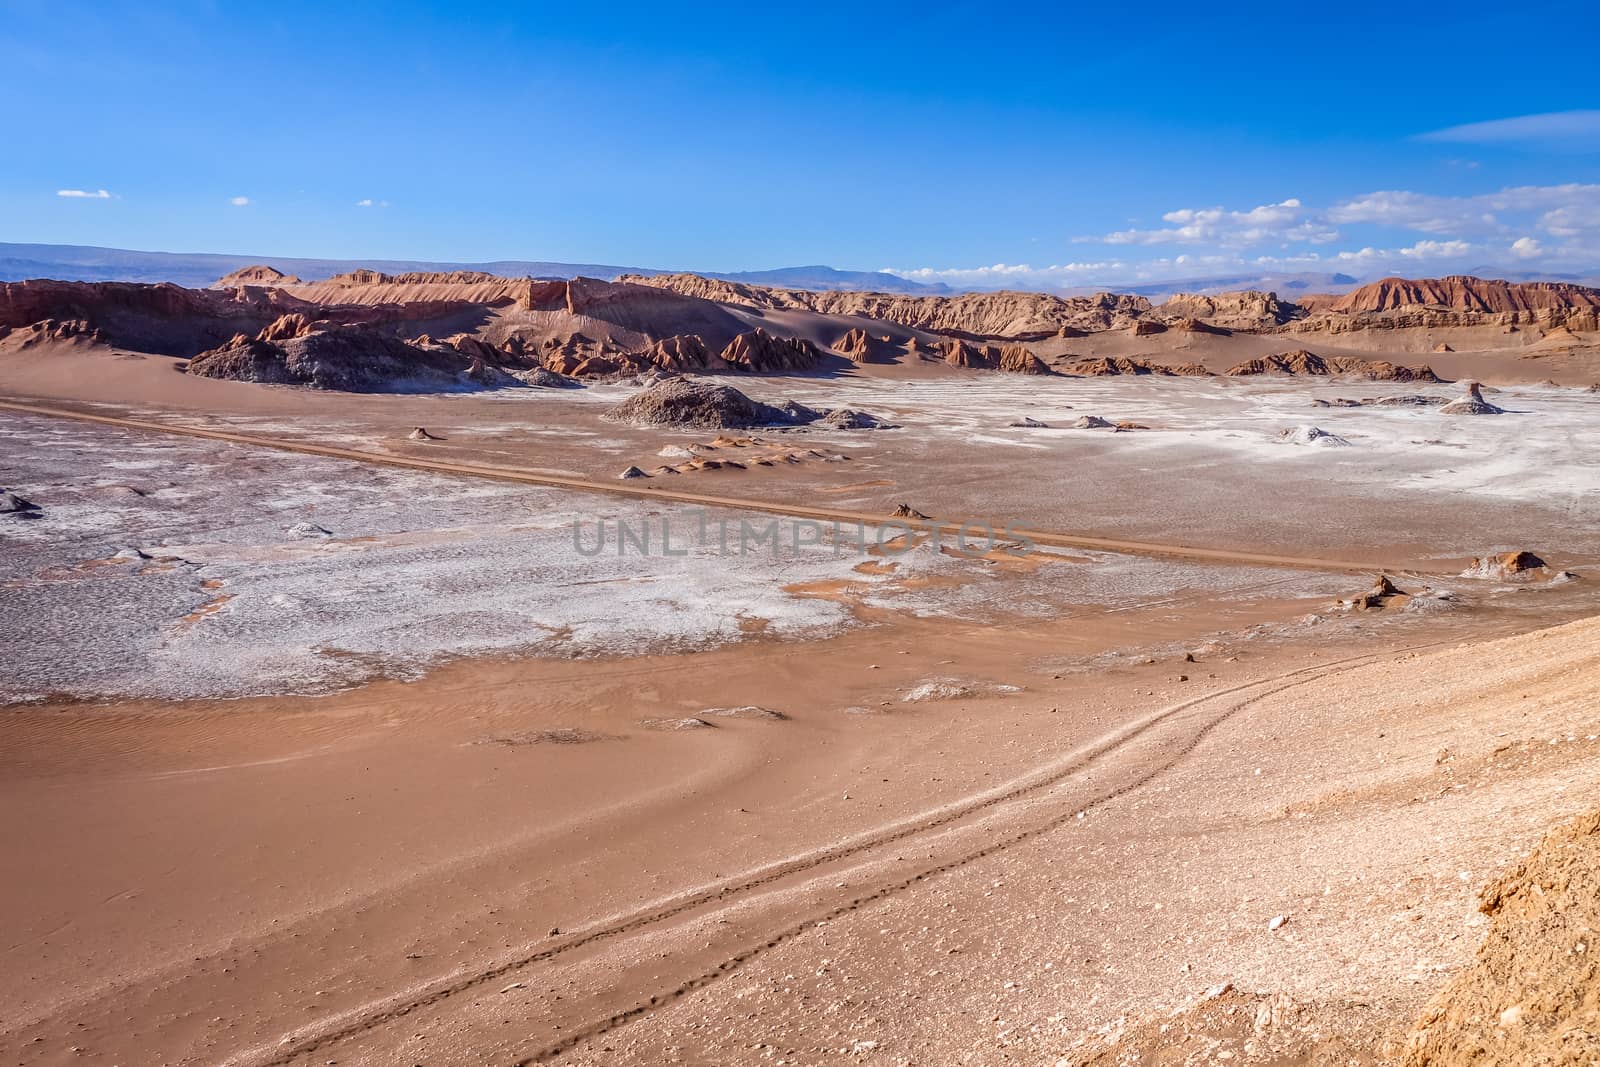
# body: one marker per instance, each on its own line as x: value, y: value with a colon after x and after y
x: 1286, y: 221
x: 369, y: 202
x: 84, y: 194
x: 240, y: 201
x: 1561, y: 130
x: 1526, y: 248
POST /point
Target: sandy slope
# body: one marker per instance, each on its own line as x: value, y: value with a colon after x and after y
x: 424, y: 873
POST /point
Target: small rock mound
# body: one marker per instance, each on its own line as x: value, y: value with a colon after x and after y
x: 1029, y: 424
x: 850, y: 419
x: 1093, y: 422
x: 541, y: 378
x: 694, y: 404
x: 421, y: 434
x: 1471, y: 404
x: 906, y: 511
x: 1312, y: 435
x: 1376, y: 597
x: 1508, y: 566
x: 632, y: 472
x: 688, y: 723
x: 746, y: 711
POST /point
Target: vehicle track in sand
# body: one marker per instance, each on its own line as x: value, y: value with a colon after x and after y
x: 801, y: 869
x: 797, y: 511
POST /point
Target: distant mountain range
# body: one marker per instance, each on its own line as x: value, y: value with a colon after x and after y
x: 196, y: 270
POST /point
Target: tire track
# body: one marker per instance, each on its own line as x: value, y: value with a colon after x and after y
x: 763, y: 877
x: 734, y: 963
x: 827, y: 515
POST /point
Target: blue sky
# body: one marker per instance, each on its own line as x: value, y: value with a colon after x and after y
x: 974, y: 143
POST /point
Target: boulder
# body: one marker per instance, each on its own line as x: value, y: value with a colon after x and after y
x: 1520, y: 565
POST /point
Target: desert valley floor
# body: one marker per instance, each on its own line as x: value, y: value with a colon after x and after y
x: 344, y: 727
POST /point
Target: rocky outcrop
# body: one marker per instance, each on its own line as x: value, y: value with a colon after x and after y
x: 164, y: 319
x: 760, y: 352
x: 680, y: 352
x: 1532, y: 994
x: 857, y: 346
x: 1015, y: 359
x: 1147, y: 328
x: 1111, y: 366
x: 344, y: 358
x: 1248, y: 309
x: 1519, y: 565
x: 258, y: 274
x: 1460, y: 300
x: 1302, y: 362
x: 1458, y: 292
x: 51, y: 332
x: 284, y: 327
x: 959, y: 353
x: 999, y: 315
x: 1197, y: 326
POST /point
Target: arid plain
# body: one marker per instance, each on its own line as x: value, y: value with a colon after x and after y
x: 1083, y: 680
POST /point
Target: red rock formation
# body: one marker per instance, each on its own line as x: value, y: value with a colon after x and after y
x: 1005, y: 315
x: 1456, y: 293
x: 958, y: 353
x: 1015, y: 359
x: 681, y: 352
x: 294, y: 324
x: 857, y: 346
x: 1146, y: 328
x: 1248, y: 309
x: 1197, y: 326
x: 259, y: 274
x: 72, y: 332
x: 1302, y: 362
x: 761, y: 352
x: 1108, y: 366
x: 162, y: 318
